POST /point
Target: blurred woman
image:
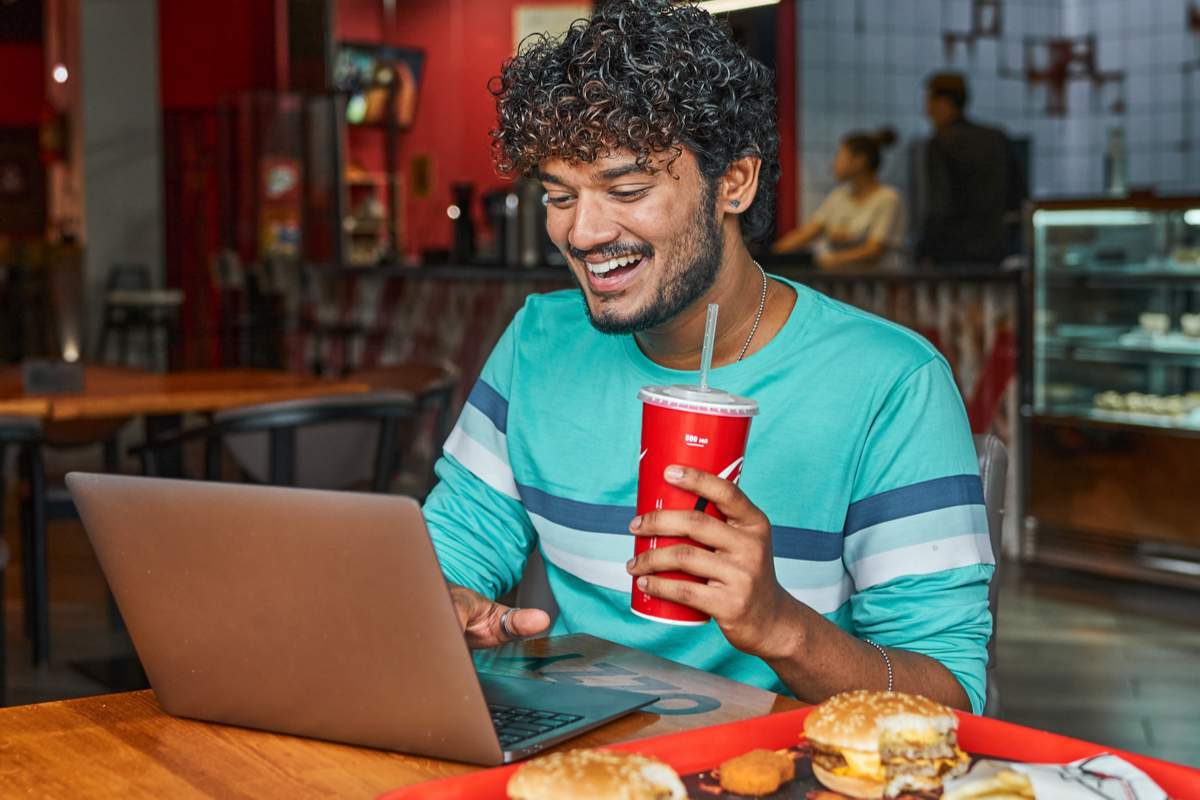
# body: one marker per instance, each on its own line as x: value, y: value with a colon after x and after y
x: 862, y: 223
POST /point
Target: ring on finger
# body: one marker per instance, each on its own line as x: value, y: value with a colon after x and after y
x: 504, y: 624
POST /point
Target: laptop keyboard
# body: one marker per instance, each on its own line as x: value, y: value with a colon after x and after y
x: 517, y: 724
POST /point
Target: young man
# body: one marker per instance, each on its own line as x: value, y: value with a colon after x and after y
x: 859, y: 516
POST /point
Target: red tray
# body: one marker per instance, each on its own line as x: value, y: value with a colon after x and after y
x: 705, y: 748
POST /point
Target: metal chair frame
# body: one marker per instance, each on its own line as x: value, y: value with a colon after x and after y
x: 26, y: 435
x: 281, y: 422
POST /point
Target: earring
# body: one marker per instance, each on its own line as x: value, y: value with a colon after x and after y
x: 735, y: 203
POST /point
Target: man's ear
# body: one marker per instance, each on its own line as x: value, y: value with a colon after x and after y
x: 739, y: 185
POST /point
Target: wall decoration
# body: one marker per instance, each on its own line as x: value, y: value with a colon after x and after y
x: 553, y: 20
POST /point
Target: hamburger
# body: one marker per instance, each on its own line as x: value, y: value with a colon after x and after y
x: 880, y: 744
x: 595, y: 775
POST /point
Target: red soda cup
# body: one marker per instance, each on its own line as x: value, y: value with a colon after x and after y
x: 696, y: 427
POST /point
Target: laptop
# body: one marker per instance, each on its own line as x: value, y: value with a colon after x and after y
x: 314, y: 613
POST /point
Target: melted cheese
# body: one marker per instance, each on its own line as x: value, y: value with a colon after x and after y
x: 860, y: 764
x: 911, y: 736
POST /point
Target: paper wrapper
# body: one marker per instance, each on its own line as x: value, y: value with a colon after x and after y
x: 1103, y: 776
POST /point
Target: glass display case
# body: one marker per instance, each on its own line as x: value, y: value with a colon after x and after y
x: 1115, y: 391
x: 1116, y: 314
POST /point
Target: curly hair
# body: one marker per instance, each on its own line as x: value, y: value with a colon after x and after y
x: 646, y: 76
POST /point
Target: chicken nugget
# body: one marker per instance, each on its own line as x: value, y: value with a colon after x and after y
x: 757, y: 773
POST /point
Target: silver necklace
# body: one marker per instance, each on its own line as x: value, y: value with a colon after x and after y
x: 762, y: 305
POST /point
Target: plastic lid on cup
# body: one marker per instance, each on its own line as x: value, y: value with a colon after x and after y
x: 699, y: 400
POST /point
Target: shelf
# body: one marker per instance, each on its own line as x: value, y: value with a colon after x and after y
x: 1081, y: 412
x: 1115, y: 352
x: 1119, y: 276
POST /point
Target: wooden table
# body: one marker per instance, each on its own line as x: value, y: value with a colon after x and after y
x: 123, y: 745
x: 111, y: 395
x: 121, y: 392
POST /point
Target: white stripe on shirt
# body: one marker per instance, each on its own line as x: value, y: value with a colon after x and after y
x: 612, y: 575
x: 482, y: 462
x: 922, y: 559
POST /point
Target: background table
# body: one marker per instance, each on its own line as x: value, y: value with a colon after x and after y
x: 124, y: 745
x: 110, y: 397
x: 119, y: 392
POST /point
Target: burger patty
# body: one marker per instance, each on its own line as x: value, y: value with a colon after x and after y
x: 927, y: 767
x: 828, y: 759
x: 940, y: 750
x: 898, y: 750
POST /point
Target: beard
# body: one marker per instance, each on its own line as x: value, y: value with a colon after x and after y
x: 697, y: 248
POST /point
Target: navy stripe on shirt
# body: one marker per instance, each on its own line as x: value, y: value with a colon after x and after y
x: 917, y: 498
x: 491, y: 403
x: 805, y: 544
x: 795, y: 543
x: 575, y: 514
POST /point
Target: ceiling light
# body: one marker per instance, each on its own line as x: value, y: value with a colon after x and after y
x: 59, y: 73
x: 724, y: 6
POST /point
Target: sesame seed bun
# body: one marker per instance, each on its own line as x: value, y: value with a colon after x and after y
x: 863, y: 788
x: 595, y: 775
x: 856, y: 720
x: 880, y: 744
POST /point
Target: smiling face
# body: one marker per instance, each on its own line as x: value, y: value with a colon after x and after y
x: 643, y: 245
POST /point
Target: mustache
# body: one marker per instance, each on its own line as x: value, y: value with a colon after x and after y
x: 612, y: 251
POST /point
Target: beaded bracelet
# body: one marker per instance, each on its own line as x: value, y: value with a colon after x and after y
x: 887, y: 661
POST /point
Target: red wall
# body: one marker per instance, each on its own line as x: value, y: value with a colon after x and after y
x: 208, y: 51
x: 465, y: 42
x: 23, y: 98
x: 215, y: 48
x: 786, y: 44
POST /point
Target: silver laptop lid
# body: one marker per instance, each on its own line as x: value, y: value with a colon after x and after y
x: 322, y: 614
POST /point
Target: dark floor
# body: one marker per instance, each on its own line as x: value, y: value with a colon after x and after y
x: 1112, y: 662
x: 1103, y: 660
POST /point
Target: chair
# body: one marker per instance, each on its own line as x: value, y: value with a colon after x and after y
x: 274, y: 438
x: 432, y: 384
x: 25, y: 434
x: 993, y: 471
x: 130, y: 304
x: 44, y: 503
x: 534, y: 588
x: 3, y: 627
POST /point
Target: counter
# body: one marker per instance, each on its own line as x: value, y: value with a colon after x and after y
x: 350, y: 318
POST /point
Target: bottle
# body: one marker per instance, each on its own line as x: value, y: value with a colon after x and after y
x: 1115, y: 163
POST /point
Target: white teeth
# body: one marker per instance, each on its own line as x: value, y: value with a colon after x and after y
x: 608, y: 266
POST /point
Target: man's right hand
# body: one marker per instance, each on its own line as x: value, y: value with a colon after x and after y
x: 480, y: 619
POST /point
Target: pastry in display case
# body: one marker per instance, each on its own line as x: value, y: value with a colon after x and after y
x: 1113, y: 411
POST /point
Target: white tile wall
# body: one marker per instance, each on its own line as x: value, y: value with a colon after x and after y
x: 1168, y: 14
x: 1112, y: 16
x: 1170, y: 47
x: 862, y: 79
x: 842, y: 13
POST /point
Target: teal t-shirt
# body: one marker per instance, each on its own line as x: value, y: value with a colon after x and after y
x: 861, y: 457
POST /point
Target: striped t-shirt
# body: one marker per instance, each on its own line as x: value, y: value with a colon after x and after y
x: 861, y: 457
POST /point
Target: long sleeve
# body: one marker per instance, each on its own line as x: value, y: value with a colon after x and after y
x: 478, y: 524
x: 916, y: 535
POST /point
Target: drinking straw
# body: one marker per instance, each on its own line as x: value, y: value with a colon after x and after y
x: 710, y: 335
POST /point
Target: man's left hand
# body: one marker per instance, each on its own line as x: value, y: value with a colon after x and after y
x: 740, y: 591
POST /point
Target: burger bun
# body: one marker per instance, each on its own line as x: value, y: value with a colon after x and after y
x: 596, y: 775
x: 849, y: 786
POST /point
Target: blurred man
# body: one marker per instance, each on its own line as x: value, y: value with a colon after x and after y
x: 972, y: 181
